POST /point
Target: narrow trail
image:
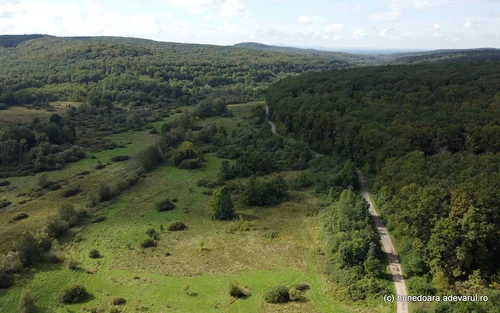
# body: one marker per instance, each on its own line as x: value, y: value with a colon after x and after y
x: 392, y: 256
x: 273, y: 129
x: 273, y: 126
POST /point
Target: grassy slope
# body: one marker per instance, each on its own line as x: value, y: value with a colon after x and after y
x: 150, y: 279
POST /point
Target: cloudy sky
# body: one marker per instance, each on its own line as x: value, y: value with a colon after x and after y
x: 404, y: 24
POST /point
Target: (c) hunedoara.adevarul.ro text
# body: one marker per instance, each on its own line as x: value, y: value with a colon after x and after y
x: 446, y: 298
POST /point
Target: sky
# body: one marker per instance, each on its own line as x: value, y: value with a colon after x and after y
x: 375, y: 24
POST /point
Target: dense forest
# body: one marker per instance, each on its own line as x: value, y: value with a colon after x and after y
x: 121, y: 84
x: 430, y: 135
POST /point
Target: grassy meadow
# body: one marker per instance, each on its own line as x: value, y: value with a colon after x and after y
x: 205, y: 257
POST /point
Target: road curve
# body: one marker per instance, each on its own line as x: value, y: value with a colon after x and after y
x: 392, y: 256
x: 273, y: 126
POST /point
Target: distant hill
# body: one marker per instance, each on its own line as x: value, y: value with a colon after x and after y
x: 11, y: 41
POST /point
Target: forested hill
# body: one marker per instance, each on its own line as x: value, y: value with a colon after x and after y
x: 371, y: 114
x: 450, y: 56
x: 430, y: 136
x: 351, y: 58
x: 79, y: 68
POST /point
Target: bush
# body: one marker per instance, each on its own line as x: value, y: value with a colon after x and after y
x: 237, y: 291
x: 68, y: 214
x: 4, y: 203
x: 301, y: 286
x: 4, y: 183
x: 6, y: 280
x: 70, y: 191
x: 99, y: 166
x: 152, y: 233
x: 278, y: 294
x: 295, y: 294
x: 271, y: 235
x: 164, y: 205
x: 73, y: 294
x: 26, y: 302
x: 98, y: 219
x: 94, y: 254
x: 148, y: 243
x: 176, y: 226
x: 55, y: 226
x: 120, y: 158
x: 118, y: 301
x: 19, y: 216
x: 10, y: 263
x: 72, y: 265
x: 105, y: 193
x: 190, y: 164
x: 54, y: 186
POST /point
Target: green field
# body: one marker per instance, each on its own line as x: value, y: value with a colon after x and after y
x: 152, y: 280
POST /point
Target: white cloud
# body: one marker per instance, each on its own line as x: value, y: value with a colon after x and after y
x: 387, y: 16
x: 398, y: 8
x: 305, y: 19
x: 346, y: 7
x: 358, y: 33
x: 384, y: 32
x: 231, y: 8
x: 333, y: 28
x: 193, y: 6
x: 474, y: 24
x: 437, y: 26
x: 228, y: 28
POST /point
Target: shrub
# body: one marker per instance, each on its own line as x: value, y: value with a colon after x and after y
x: 72, y: 265
x: 55, y: 226
x: 152, y: 233
x: 26, y: 302
x: 148, y: 243
x: 240, y: 225
x: 19, y: 216
x: 98, y: 219
x: 176, y: 226
x: 6, y: 280
x: 278, y: 294
x: 43, y: 181
x: 94, y: 254
x: 271, y: 235
x: 68, y: 214
x: 120, y: 158
x: 4, y: 203
x: 118, y: 301
x: 73, y: 294
x: 190, y: 164
x: 295, y: 294
x: 70, y: 191
x: 301, y: 286
x: 105, y: 193
x: 164, y: 205
x: 99, y: 166
x: 237, y: 291
x: 54, y: 186
x: 10, y: 262
x: 4, y: 183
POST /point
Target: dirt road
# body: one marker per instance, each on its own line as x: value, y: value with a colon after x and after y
x: 392, y: 256
x: 273, y: 126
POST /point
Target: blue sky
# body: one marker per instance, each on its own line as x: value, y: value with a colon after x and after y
x: 379, y: 24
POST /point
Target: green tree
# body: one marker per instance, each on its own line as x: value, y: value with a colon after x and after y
x: 222, y: 206
x: 29, y: 252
